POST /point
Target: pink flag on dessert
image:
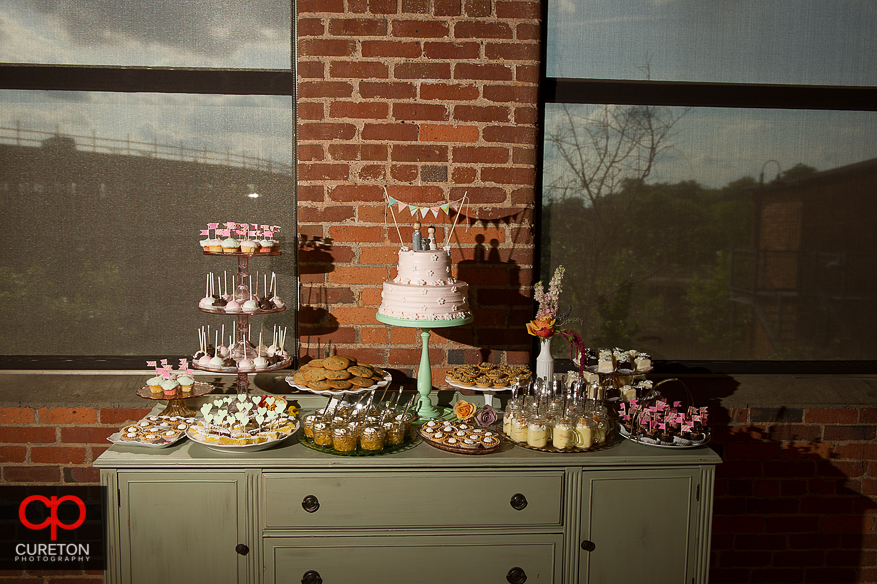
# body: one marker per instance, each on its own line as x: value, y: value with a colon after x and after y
x: 205, y: 232
x: 212, y: 225
x: 252, y: 233
x: 269, y: 234
x: 151, y: 364
x: 230, y: 224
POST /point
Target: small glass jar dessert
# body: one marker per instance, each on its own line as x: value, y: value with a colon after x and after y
x: 537, y: 433
x: 371, y: 438
x: 584, y: 433
x: 343, y: 440
x: 308, y: 424
x: 394, y: 432
x: 563, y: 436
x: 520, y: 428
x: 323, y: 434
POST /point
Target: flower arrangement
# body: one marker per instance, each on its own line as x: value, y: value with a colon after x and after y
x: 484, y: 417
x: 546, y: 322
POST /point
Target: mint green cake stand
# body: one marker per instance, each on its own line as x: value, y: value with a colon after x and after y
x: 425, y: 406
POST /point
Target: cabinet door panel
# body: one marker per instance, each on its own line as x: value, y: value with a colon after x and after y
x: 413, y: 499
x: 182, y: 527
x: 641, y: 525
x: 421, y: 559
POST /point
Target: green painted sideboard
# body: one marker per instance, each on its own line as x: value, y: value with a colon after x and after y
x: 186, y: 514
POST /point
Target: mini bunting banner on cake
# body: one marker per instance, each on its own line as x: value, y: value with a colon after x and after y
x: 424, y: 210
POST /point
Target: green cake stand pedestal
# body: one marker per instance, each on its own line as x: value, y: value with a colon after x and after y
x: 425, y: 407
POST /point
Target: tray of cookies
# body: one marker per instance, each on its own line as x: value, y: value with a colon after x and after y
x: 153, y: 432
x: 460, y: 437
x: 339, y: 374
x: 487, y: 376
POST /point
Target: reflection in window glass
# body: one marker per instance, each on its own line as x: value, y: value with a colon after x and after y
x: 713, y: 233
x: 106, y: 194
x: 156, y: 33
x: 811, y: 42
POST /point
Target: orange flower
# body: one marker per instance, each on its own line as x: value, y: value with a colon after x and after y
x: 464, y: 410
x: 541, y: 327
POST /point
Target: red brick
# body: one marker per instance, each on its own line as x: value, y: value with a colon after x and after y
x: 317, y: 89
x: 857, y: 451
x: 319, y: 6
x: 333, y: 333
x: 382, y: 6
x: 356, y: 193
x: 517, y: 51
x: 412, y: 356
x: 420, y: 111
x: 408, y: 153
x: 448, y: 133
x: 483, y: 72
x: 447, y: 7
x: 527, y: 74
x: 26, y: 435
x: 353, y: 233
x: 358, y: 70
x: 791, y: 524
x: 449, y: 91
x: 404, y: 336
x: 528, y: 32
x: 57, y: 416
x: 363, y: 110
x: 831, y: 416
x: 524, y: 156
x: 373, y: 335
x: 463, y: 175
x: 372, y: 172
x: 326, y: 131
x: 511, y: 94
x: 13, y: 454
x: 382, y: 255
x: 310, y: 111
x: 479, y: 195
x: 328, y: 296
x: 57, y: 455
x: 518, y: 10
x: 325, y: 214
x: 503, y: 337
x: 86, y: 435
x: 370, y: 152
x: 868, y: 416
x: 377, y: 90
x: 509, y: 176
x: 480, y: 154
x: 481, y: 275
x: 313, y: 193
x: 738, y: 524
x: 31, y: 474
x: 409, y: 50
x: 403, y: 172
x: 323, y: 172
x: 17, y: 415
x: 850, y: 524
x: 80, y: 474
x: 310, y: 27
x: 390, y: 132
x: 482, y: 30
x: 311, y: 47
x: 352, y: 316
x: 452, y: 50
x: 472, y: 113
x: 432, y: 29
x: 422, y: 71
x: 122, y: 415
x: 357, y: 27
x: 416, y: 194
x: 370, y: 297
x: 310, y: 152
x: 477, y: 8
x: 509, y: 135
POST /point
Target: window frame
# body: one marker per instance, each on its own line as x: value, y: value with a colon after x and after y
x: 557, y: 90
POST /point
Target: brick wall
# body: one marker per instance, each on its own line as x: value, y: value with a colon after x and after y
x: 425, y: 101
x: 795, y: 498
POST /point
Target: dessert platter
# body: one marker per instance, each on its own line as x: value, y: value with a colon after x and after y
x: 243, y: 423
x: 460, y: 437
x: 241, y: 356
x: 339, y: 375
x: 363, y: 428
x: 663, y: 423
x: 154, y: 431
x: 175, y: 386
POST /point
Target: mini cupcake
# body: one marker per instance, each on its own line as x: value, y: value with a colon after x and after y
x: 214, y: 245
x: 186, y: 382
x: 169, y: 387
x: 230, y: 245
x: 249, y: 246
x: 154, y: 384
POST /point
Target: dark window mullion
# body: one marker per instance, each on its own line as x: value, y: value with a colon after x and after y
x: 147, y: 79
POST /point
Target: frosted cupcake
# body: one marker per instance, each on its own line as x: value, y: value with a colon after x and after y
x: 186, y: 382
x: 230, y: 245
x: 154, y: 384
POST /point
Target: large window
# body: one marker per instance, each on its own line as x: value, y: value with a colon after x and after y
x: 708, y: 177
x: 125, y: 128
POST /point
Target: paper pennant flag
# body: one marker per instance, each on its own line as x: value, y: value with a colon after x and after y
x: 435, y: 211
x: 424, y: 211
x: 151, y: 364
x: 402, y: 206
x: 446, y: 208
x: 205, y: 232
x: 391, y: 200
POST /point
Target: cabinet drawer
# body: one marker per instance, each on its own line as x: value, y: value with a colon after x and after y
x: 425, y: 559
x: 412, y: 499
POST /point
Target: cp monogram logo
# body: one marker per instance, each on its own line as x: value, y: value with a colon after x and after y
x: 53, y: 521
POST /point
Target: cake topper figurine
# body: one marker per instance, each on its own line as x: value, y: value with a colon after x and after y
x: 431, y: 239
x: 417, y: 237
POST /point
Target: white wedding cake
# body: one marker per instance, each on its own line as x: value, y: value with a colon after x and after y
x: 424, y: 288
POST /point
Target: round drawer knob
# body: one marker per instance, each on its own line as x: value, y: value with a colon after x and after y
x: 516, y: 576
x: 311, y: 577
x: 518, y: 501
x: 242, y: 549
x: 588, y: 546
x: 310, y: 504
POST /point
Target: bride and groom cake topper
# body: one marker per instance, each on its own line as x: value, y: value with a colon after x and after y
x: 419, y: 243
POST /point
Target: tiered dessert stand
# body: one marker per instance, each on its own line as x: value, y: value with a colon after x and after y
x: 176, y: 406
x: 241, y: 348
x: 425, y: 407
